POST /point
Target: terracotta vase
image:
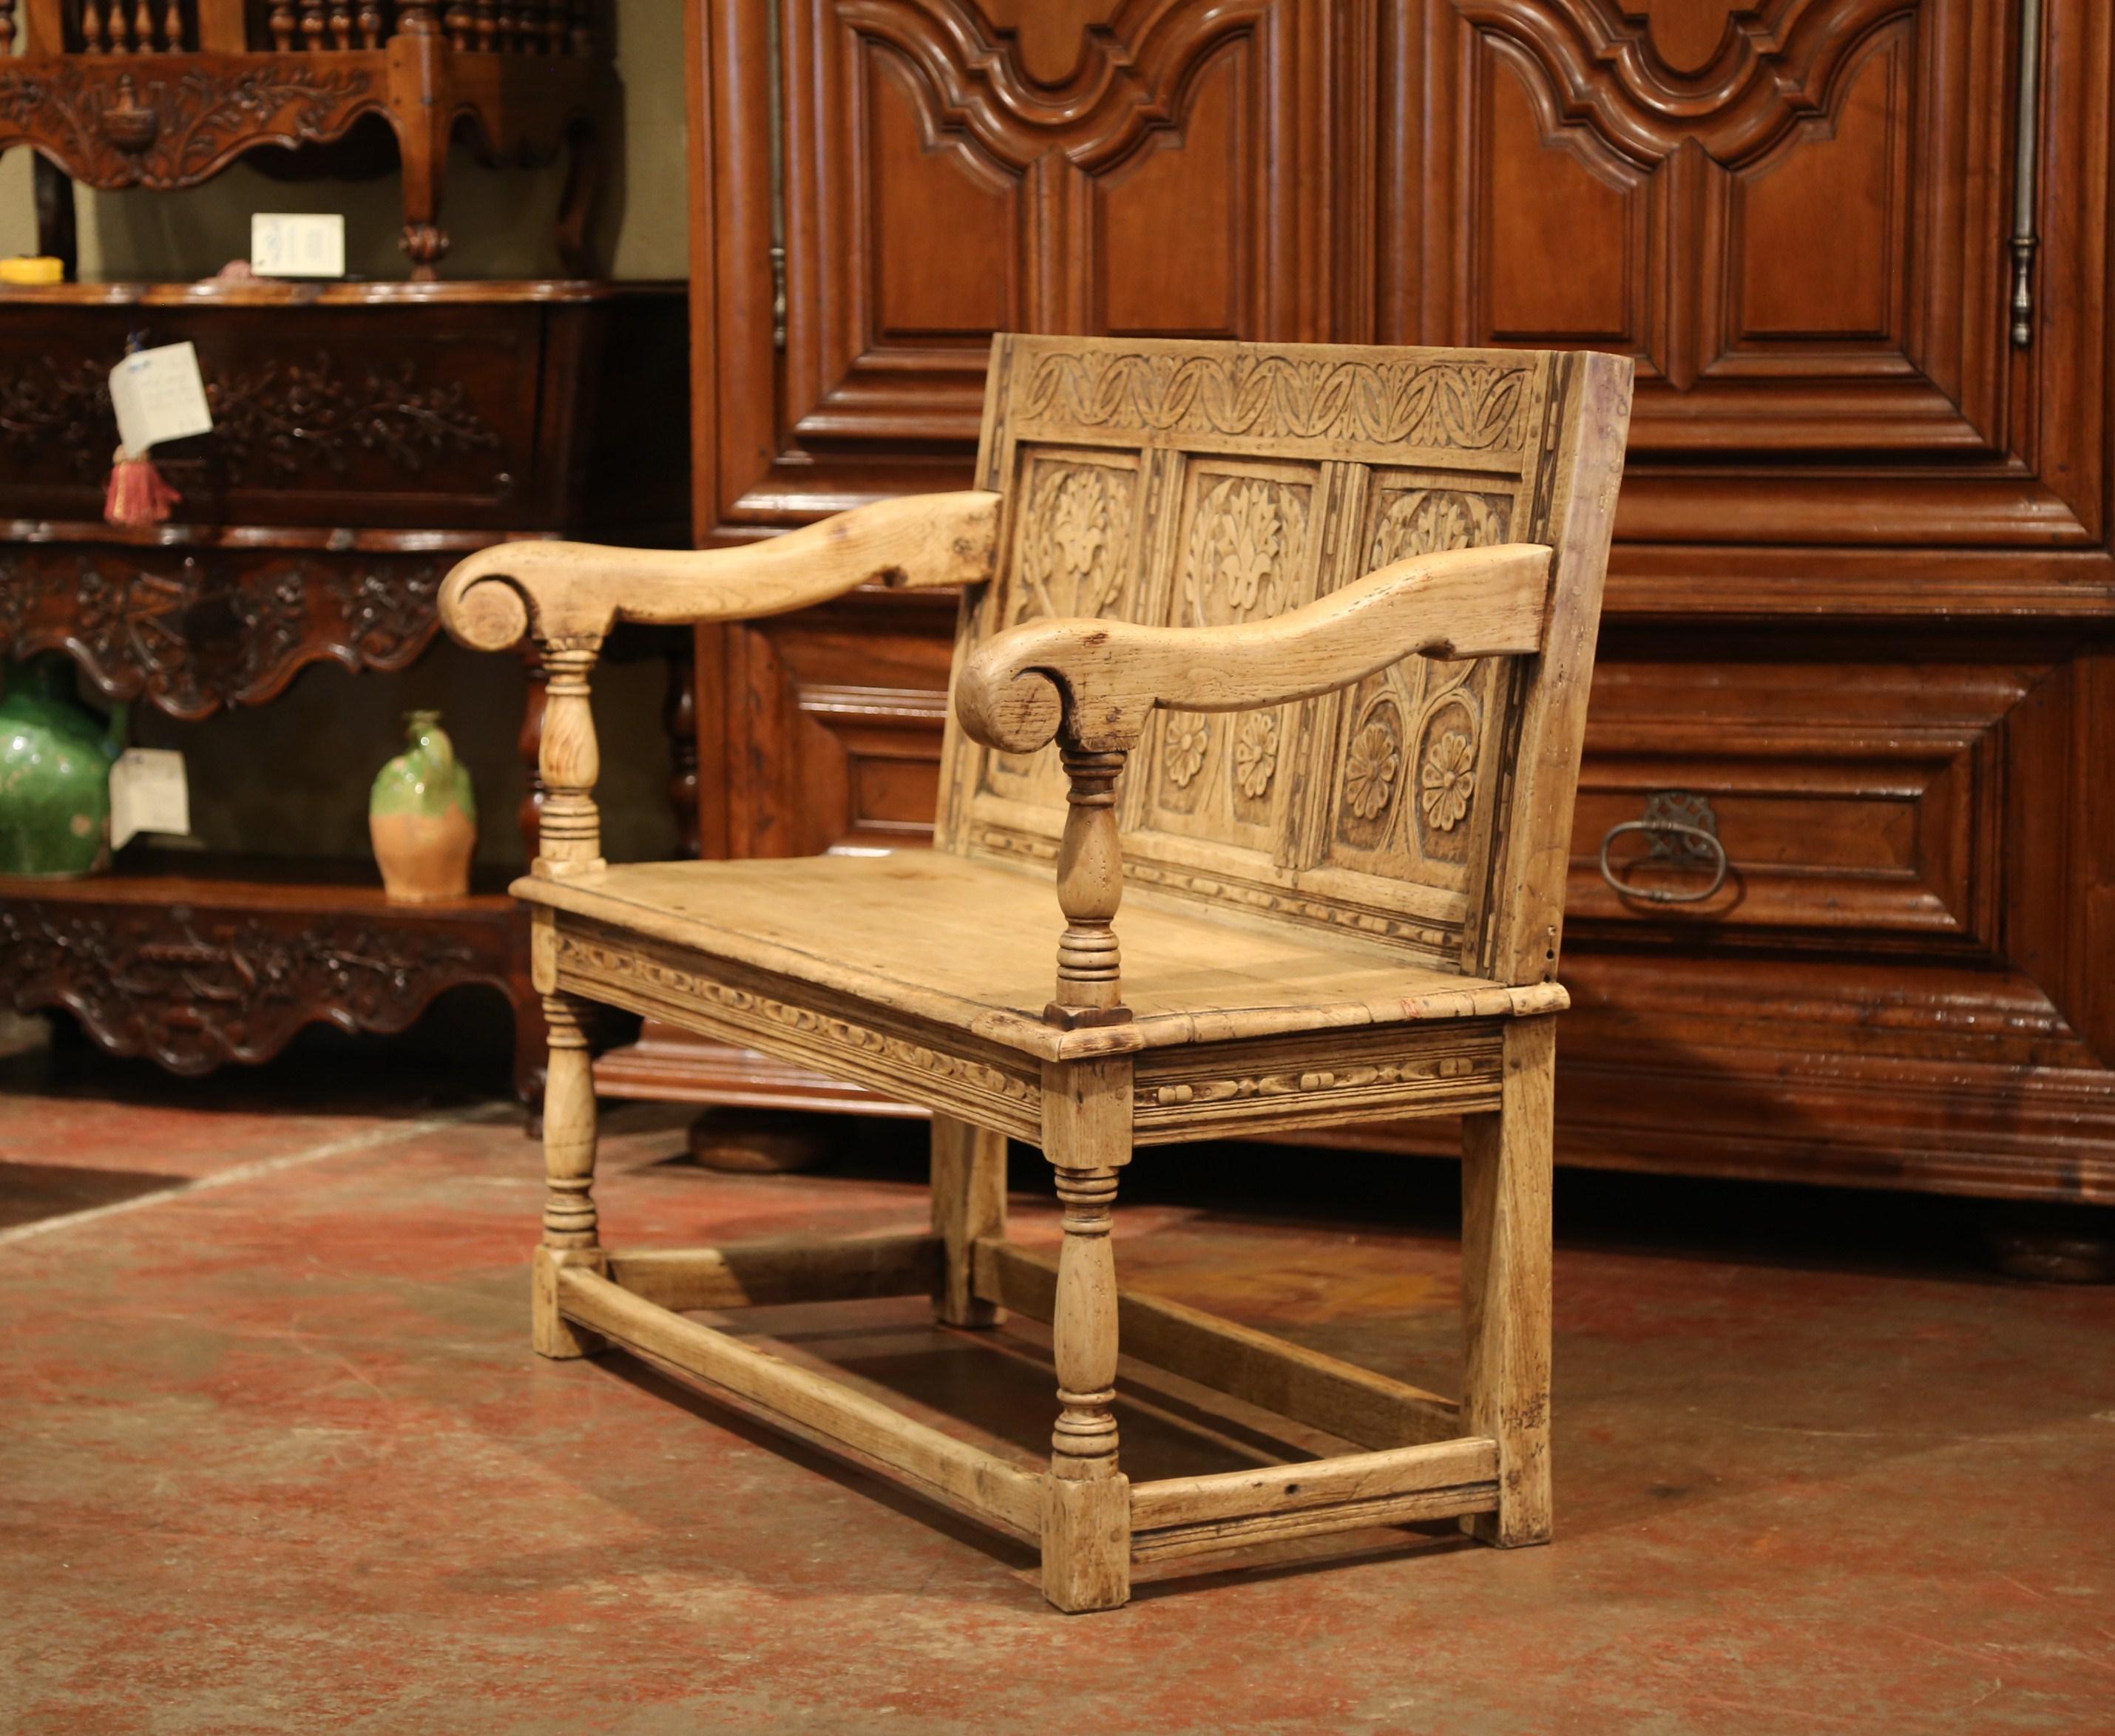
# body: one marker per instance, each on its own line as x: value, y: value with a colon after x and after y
x: 423, y: 817
x: 55, y: 756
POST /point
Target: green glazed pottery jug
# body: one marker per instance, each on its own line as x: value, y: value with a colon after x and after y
x: 55, y: 758
x: 423, y: 817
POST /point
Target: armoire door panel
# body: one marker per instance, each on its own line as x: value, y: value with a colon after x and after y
x: 1801, y: 232
x: 1198, y: 186
x: 957, y: 293
x: 1567, y: 247
x: 1790, y: 183
x: 941, y: 182
x: 1789, y: 295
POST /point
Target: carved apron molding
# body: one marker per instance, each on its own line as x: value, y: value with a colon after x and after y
x: 195, y: 993
x: 192, y: 633
x: 117, y: 128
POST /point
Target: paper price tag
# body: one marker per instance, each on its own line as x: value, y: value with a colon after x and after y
x: 158, y: 395
x: 285, y: 243
x: 148, y: 792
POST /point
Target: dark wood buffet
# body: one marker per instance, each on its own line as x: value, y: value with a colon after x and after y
x: 1857, y: 648
x: 365, y: 437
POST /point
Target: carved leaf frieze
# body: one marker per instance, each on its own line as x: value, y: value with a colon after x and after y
x: 1312, y: 1082
x: 190, y: 992
x: 1471, y: 405
x: 113, y: 127
x: 289, y: 415
x: 831, y: 1031
x: 192, y: 634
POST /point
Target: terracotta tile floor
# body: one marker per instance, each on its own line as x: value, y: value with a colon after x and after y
x: 276, y: 1457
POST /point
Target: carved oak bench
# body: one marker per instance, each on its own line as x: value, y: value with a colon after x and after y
x: 1311, y: 629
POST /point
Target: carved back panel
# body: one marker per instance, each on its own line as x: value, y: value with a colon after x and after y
x: 1194, y: 483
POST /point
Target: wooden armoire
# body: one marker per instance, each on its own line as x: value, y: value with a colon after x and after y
x: 1859, y: 641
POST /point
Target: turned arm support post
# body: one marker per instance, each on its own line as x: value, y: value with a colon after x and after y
x: 1091, y: 686
x: 567, y: 596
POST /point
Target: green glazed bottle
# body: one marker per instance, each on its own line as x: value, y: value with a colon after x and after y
x: 55, y: 758
x: 423, y: 817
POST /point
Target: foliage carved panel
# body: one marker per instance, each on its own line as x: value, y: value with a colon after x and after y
x: 1075, y: 543
x: 115, y: 127
x: 191, y: 988
x: 1244, y: 552
x: 194, y: 632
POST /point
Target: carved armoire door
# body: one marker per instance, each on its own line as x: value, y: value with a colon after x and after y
x: 1858, y: 613
x: 1858, y: 616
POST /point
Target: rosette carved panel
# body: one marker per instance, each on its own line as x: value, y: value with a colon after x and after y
x: 1263, y: 478
x: 1417, y: 748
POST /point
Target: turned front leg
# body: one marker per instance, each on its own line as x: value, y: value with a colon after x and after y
x: 569, y: 1128
x: 1086, y: 1519
x: 1083, y: 1446
x: 569, y: 841
x: 570, y: 1234
x: 1089, y: 888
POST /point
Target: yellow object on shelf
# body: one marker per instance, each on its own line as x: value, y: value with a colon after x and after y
x: 32, y: 269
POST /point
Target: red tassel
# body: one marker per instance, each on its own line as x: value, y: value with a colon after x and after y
x: 137, y: 495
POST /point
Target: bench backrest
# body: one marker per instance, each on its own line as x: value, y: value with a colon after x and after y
x: 1171, y: 482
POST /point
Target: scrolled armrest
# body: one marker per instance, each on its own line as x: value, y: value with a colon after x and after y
x: 572, y: 593
x: 1095, y: 682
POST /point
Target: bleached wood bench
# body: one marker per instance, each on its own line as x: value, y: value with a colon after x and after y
x: 1311, y: 629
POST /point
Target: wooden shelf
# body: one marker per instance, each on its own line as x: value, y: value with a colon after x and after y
x: 172, y: 877
x: 195, y: 960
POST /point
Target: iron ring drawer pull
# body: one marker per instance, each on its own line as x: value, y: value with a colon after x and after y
x: 1695, y: 841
